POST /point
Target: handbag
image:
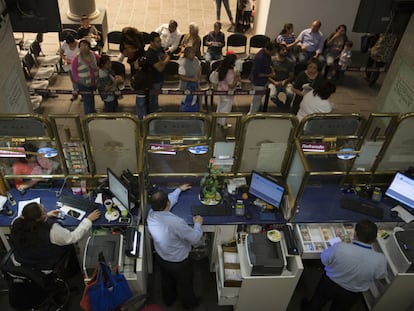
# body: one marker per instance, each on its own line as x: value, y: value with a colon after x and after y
x: 85, y: 302
x: 110, y: 292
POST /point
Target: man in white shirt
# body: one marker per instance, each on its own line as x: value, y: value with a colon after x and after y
x: 170, y: 36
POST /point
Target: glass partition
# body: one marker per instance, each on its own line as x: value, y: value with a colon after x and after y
x: 377, y: 133
x: 112, y: 141
x: 399, y: 153
x: 177, y: 144
x: 330, y: 142
x: 266, y: 143
x: 28, y: 149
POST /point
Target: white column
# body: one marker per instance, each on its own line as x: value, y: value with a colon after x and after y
x: 77, y: 8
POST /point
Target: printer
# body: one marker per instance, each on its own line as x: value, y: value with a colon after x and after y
x: 400, y: 247
x: 264, y: 256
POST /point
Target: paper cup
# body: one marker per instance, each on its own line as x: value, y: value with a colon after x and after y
x: 108, y: 205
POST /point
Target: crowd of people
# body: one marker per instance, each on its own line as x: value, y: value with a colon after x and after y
x: 289, y: 65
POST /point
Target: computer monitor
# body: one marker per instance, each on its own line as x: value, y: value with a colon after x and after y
x: 267, y: 189
x: 401, y: 189
x: 118, y: 189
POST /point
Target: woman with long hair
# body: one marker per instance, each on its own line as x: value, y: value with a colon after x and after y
x: 228, y: 77
x: 40, y: 241
x: 288, y: 38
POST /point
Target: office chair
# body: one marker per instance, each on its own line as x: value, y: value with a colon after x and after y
x: 33, y: 289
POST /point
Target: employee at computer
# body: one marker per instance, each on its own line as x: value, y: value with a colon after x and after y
x: 350, y: 268
x: 173, y: 239
x: 40, y: 241
x: 30, y: 165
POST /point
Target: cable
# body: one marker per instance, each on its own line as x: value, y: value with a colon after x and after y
x: 59, y: 192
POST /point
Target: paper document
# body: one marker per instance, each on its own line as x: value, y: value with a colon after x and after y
x: 3, y: 201
x: 73, y: 212
x: 22, y: 204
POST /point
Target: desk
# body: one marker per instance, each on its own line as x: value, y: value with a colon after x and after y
x: 190, y: 198
x: 321, y: 203
x: 49, y: 198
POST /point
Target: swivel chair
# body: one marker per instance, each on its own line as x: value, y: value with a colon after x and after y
x: 31, y: 289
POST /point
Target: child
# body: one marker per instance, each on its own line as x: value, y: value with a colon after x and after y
x: 344, y: 60
x: 108, y: 82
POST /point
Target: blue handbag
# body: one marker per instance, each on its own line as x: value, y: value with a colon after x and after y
x: 110, y: 290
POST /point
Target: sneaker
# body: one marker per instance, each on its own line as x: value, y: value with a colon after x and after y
x: 282, y: 97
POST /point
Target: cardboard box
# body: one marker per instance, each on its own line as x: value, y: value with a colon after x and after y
x: 232, y: 273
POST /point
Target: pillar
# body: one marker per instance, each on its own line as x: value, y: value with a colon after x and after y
x: 77, y: 8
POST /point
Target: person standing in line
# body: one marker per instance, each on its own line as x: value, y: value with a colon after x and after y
x: 189, y: 73
x: 215, y: 42
x: 108, y: 82
x: 68, y: 50
x: 157, y: 59
x: 173, y: 239
x: 350, y: 268
x: 228, y: 10
x: 261, y: 72
x: 85, y: 74
x: 228, y: 77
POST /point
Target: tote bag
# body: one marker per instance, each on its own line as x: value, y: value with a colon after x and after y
x: 106, y: 295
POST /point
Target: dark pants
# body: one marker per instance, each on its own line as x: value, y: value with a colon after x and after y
x: 177, y: 278
x: 328, y: 290
x: 88, y: 100
x: 111, y: 106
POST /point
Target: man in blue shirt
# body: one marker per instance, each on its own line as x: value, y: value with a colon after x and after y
x: 350, y: 268
x: 173, y: 239
x: 311, y: 44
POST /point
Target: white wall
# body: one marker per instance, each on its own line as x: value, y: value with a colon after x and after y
x: 14, y: 97
x: 301, y: 13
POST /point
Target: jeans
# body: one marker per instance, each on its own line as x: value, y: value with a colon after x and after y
x: 209, y: 56
x: 274, y: 92
x: 256, y: 99
x: 304, y: 56
x: 88, y: 100
x: 153, y: 98
x: 226, y: 6
x: 140, y: 106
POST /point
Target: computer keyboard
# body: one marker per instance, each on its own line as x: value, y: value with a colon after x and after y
x: 363, y: 208
x: 77, y: 202
x: 208, y: 210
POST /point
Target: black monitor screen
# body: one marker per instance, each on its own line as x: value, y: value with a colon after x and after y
x: 402, y: 190
x: 266, y: 189
x: 118, y: 189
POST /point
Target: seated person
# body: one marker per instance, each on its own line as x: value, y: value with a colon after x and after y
x: 170, y: 37
x: 40, y: 242
x: 31, y: 165
x: 89, y: 32
x: 215, y: 42
x: 192, y: 39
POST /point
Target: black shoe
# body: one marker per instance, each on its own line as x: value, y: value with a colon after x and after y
x: 194, y: 305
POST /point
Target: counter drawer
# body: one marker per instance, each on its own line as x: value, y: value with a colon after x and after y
x: 227, y: 295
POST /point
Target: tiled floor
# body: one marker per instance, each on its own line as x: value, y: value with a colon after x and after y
x: 352, y: 96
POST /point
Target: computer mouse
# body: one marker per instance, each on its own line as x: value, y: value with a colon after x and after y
x: 394, y: 214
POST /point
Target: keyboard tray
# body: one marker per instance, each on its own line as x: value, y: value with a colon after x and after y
x: 208, y: 210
